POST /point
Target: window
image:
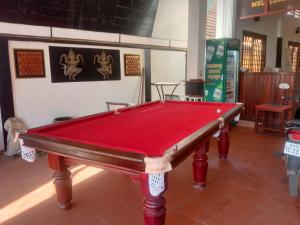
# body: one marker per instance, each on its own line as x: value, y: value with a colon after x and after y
x: 254, y: 51
x: 294, y: 56
x: 211, y: 19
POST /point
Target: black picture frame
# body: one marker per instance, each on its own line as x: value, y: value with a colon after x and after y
x: 73, y: 64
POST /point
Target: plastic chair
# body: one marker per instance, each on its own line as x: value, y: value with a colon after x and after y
x: 117, y: 105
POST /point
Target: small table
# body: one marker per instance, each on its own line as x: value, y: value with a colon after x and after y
x: 164, y: 84
x: 280, y: 109
x: 144, y: 141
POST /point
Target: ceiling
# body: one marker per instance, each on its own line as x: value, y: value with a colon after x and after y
x: 134, y: 17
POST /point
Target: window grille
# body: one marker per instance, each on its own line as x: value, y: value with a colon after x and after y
x: 254, y: 51
x: 211, y: 23
x: 294, y: 56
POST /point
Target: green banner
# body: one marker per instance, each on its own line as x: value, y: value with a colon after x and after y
x: 214, y: 88
x: 221, y: 71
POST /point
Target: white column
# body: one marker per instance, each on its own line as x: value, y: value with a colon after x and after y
x: 279, y: 25
x: 196, y: 38
x: 226, y: 18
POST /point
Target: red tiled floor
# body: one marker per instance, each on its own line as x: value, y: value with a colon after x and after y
x: 175, y: 217
x: 250, y: 188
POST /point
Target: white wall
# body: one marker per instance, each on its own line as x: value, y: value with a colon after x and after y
x: 280, y: 25
x: 1, y: 134
x: 267, y: 26
x: 171, y: 21
x: 167, y: 66
x: 289, y: 25
x: 38, y: 101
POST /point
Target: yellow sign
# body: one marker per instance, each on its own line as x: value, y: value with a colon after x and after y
x: 214, y: 71
x: 261, y: 3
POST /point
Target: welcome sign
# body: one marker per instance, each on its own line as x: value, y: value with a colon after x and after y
x: 255, y: 8
x: 261, y: 3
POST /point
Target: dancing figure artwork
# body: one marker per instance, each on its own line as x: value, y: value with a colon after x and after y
x: 70, y: 64
x: 105, y: 63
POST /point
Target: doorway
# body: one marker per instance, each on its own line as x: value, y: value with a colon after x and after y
x: 6, y: 94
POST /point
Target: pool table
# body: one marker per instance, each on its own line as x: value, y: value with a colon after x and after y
x: 144, y: 141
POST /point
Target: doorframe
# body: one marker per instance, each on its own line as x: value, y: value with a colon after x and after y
x: 6, y: 92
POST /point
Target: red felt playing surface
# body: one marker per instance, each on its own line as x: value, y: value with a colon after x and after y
x: 148, y: 129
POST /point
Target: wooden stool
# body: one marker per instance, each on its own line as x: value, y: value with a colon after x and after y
x: 280, y: 109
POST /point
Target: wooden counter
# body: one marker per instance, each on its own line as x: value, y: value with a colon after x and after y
x: 262, y: 88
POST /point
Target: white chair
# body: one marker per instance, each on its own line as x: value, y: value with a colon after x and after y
x: 14, y: 126
x: 117, y: 105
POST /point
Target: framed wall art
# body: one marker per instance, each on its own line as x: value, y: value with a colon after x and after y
x: 84, y: 64
x: 29, y: 63
x: 132, y: 64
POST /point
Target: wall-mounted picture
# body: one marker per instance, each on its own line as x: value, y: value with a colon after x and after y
x: 132, y: 64
x: 84, y: 64
x: 29, y: 63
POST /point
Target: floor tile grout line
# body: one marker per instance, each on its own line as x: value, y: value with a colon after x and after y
x: 188, y: 216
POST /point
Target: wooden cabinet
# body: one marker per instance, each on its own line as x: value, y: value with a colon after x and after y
x: 262, y: 88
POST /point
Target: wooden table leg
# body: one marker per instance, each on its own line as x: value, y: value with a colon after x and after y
x: 200, y: 164
x: 153, y: 187
x: 223, y: 143
x: 62, y: 181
